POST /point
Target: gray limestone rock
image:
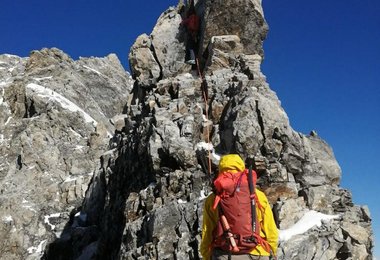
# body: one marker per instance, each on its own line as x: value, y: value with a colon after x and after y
x: 54, y: 126
x: 143, y: 63
x: 97, y: 166
x: 243, y: 18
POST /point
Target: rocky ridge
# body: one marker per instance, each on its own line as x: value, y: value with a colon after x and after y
x: 144, y: 199
x: 54, y: 115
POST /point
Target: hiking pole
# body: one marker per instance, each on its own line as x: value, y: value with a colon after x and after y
x: 227, y: 229
x: 230, y: 236
x: 251, y: 162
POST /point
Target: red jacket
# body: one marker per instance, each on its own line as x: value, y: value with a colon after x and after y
x: 192, y: 24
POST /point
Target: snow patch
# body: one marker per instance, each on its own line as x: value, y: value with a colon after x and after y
x: 70, y: 179
x: 47, y: 219
x: 209, y: 147
x: 3, y: 83
x: 10, y: 55
x: 78, y: 147
x: 309, y: 220
x: 43, y: 78
x: 9, y: 119
x: 29, y: 208
x: 7, y: 219
x: 2, y: 95
x: 64, y: 102
x: 82, y: 216
x: 151, y: 185
x: 181, y: 201
x: 203, y: 195
x: 97, y: 72
x: 80, y: 219
x: 188, y: 75
x: 109, y: 152
x: 75, y: 132
x: 38, y: 249
x: 204, y: 146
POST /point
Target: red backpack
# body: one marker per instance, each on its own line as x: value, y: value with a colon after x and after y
x: 238, y: 228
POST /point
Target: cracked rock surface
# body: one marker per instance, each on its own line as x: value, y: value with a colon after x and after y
x: 54, y: 115
x: 144, y: 197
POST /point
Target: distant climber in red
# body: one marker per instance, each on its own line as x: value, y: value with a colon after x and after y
x: 191, y: 22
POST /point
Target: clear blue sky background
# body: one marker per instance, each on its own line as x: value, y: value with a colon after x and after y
x: 321, y: 57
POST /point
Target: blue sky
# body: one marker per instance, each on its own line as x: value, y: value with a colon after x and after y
x: 321, y: 57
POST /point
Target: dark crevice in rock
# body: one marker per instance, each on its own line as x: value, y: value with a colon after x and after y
x: 344, y: 252
x: 153, y: 50
x: 173, y: 92
x: 248, y: 72
x: 140, y: 201
x: 284, y: 139
x: 193, y: 243
x: 226, y: 130
x: 145, y: 235
x: 260, y: 120
x: 19, y: 162
x: 202, y: 157
x: 304, y: 194
x: 168, y: 161
x: 72, y: 241
x: 133, y: 172
x: 30, y: 109
x: 138, y: 94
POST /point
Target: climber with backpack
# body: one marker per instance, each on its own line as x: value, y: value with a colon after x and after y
x: 191, y: 22
x: 238, y: 222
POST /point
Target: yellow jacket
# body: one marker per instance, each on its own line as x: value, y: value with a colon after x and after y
x: 268, y: 230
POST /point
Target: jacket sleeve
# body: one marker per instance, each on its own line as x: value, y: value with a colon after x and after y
x: 210, y: 219
x: 268, y: 225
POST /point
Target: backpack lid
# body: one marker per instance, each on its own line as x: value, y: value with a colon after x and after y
x: 231, y: 163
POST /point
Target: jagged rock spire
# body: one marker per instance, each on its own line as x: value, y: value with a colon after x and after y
x: 144, y: 199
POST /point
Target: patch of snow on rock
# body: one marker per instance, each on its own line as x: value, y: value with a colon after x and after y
x: 309, y: 220
x: 37, y: 250
x: 64, y: 102
x: 47, y: 219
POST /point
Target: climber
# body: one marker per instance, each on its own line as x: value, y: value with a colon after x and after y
x: 191, y: 22
x: 228, y: 233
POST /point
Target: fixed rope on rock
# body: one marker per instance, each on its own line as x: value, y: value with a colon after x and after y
x: 192, y: 25
x: 205, y: 99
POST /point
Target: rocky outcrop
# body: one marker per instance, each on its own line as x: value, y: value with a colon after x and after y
x: 144, y: 199
x: 241, y: 114
x: 54, y: 127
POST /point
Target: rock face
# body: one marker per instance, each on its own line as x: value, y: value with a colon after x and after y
x: 144, y: 199
x: 54, y: 125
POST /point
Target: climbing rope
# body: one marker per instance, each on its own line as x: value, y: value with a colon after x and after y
x: 205, y: 99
